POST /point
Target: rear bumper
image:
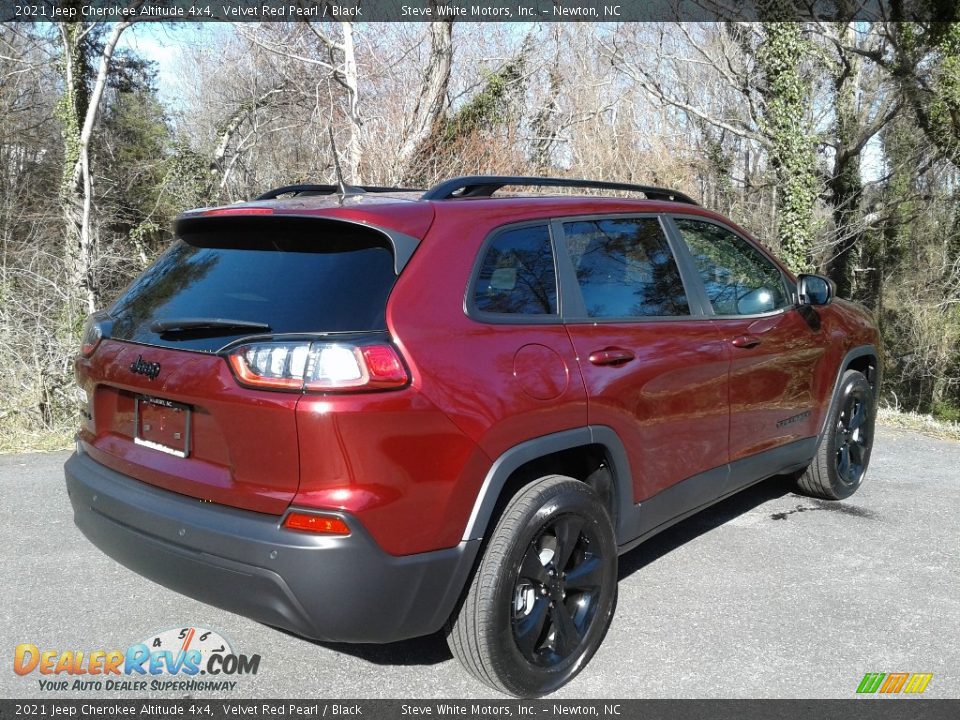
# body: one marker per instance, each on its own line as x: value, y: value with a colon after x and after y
x: 327, y: 588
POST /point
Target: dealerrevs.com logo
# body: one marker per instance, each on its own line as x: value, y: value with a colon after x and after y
x: 180, y: 659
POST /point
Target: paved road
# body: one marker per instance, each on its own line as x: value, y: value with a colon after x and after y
x: 765, y: 595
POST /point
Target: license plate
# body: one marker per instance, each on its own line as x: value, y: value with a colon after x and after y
x: 163, y: 425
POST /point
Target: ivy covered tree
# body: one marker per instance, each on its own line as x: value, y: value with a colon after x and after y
x: 785, y: 120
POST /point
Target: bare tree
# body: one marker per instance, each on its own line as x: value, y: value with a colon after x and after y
x: 431, y: 104
x: 862, y: 107
x: 221, y: 166
x: 338, y: 58
x: 80, y: 107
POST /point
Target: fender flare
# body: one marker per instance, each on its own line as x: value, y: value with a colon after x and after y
x: 519, y: 455
x: 852, y: 354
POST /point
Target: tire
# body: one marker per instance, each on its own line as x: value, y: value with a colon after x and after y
x: 838, y: 469
x: 510, y: 631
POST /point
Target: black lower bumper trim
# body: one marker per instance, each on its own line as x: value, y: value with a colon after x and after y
x: 342, y: 589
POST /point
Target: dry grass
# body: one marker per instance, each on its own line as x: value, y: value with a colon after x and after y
x: 25, y: 442
x: 891, y: 417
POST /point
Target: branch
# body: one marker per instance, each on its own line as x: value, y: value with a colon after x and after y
x: 236, y: 119
x: 654, y: 88
x: 871, y: 129
x: 276, y: 49
x: 331, y: 44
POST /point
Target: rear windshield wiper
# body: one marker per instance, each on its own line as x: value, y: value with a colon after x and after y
x: 201, y: 324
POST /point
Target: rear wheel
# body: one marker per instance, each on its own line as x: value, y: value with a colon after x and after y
x: 842, y: 458
x: 543, y: 596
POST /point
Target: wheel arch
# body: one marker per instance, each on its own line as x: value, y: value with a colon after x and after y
x: 864, y: 359
x: 592, y: 454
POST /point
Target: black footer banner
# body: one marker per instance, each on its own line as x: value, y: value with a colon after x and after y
x: 854, y: 709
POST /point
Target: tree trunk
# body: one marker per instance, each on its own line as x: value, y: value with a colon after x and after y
x: 545, y: 124
x: 845, y: 184
x: 72, y: 107
x: 351, y: 83
x: 431, y: 106
x: 79, y: 109
x: 786, y: 101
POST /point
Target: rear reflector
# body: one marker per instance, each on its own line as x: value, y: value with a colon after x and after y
x: 320, y: 524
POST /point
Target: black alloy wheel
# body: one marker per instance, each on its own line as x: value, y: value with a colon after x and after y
x: 557, y: 590
x: 544, y: 593
x: 843, y: 455
x: 852, y: 436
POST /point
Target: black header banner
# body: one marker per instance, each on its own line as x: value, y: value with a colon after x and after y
x: 474, y: 10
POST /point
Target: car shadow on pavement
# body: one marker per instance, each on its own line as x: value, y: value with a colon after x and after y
x: 702, y: 522
x: 427, y: 650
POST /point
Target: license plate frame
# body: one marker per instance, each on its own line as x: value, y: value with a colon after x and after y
x: 162, y: 425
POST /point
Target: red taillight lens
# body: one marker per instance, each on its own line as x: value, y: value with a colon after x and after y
x: 318, y: 366
x: 320, y: 524
x: 384, y: 365
x: 92, y: 335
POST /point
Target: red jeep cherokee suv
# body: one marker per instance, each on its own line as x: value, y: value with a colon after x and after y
x: 366, y: 414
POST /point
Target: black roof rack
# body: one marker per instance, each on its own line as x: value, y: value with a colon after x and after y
x: 329, y: 190
x: 487, y: 185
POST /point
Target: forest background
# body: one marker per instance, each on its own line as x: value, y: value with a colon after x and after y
x: 836, y: 144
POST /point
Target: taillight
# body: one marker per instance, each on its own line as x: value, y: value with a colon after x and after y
x: 315, y: 523
x: 318, y: 366
x: 92, y: 334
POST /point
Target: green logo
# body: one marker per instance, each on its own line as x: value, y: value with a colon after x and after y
x: 892, y: 683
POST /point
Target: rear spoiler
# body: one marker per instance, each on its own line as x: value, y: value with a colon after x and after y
x: 403, y: 245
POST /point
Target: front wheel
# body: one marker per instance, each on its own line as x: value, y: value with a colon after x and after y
x: 543, y: 596
x: 841, y: 462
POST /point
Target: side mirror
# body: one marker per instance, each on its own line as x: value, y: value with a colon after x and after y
x: 815, y: 290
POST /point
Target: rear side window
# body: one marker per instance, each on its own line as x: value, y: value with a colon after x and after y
x: 739, y: 280
x: 625, y: 268
x: 296, y: 276
x: 517, y: 274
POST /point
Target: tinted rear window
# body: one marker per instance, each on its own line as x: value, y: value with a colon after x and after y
x: 295, y: 276
x: 517, y: 276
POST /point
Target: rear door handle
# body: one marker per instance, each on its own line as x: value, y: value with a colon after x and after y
x: 611, y: 356
x: 745, y: 341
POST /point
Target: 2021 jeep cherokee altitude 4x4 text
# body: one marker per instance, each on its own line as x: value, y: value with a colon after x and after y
x: 366, y: 415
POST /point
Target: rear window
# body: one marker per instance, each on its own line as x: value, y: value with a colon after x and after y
x: 294, y: 276
x: 517, y: 276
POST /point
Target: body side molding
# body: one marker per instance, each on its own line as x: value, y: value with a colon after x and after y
x: 635, y: 522
x: 698, y: 492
